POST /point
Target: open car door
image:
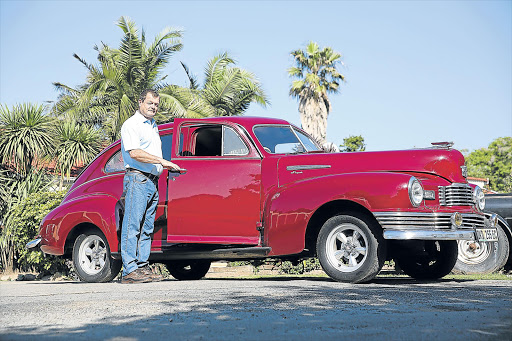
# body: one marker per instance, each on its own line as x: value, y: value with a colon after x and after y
x: 218, y: 199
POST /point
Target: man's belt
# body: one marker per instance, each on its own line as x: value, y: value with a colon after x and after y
x: 150, y: 176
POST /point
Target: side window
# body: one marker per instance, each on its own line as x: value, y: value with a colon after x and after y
x: 278, y: 139
x: 115, y: 164
x: 212, y: 140
x: 232, y: 144
x: 166, y: 146
x: 306, y: 141
x: 208, y: 141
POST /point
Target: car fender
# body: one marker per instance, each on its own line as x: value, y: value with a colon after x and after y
x: 97, y: 210
x: 288, y: 209
x: 503, y: 223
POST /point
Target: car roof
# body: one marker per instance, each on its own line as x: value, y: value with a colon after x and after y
x: 246, y: 121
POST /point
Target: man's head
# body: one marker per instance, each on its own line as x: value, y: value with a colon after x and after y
x: 148, y: 103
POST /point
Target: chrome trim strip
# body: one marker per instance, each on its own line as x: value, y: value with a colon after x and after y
x: 429, y: 235
x: 456, y: 194
x: 464, y: 170
x: 109, y: 175
x: 306, y: 167
x: 416, y: 220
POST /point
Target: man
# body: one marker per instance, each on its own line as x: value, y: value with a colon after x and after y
x: 141, y: 148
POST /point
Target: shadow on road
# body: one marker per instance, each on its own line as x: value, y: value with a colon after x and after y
x: 288, y: 308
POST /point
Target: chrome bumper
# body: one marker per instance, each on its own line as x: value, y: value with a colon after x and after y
x: 33, y: 243
x: 429, y: 235
x: 433, y: 226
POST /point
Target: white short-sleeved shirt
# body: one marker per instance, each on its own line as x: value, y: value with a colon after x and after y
x: 139, y: 132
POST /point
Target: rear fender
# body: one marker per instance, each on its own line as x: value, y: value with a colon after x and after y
x: 97, y: 210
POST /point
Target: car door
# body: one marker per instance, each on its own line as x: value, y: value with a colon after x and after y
x: 114, y: 169
x: 218, y: 199
x: 160, y: 231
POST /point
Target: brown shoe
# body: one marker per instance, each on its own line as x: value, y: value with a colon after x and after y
x: 148, y: 272
x: 137, y: 276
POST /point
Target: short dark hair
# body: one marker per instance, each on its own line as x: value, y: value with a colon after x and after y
x: 144, y: 93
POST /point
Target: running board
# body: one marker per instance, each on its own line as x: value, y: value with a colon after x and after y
x: 216, y: 254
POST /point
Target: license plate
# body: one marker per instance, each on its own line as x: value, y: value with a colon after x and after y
x: 487, y: 235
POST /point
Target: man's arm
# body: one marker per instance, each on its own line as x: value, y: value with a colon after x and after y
x: 142, y: 156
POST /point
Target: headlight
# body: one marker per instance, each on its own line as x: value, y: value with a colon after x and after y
x: 415, y: 191
x: 479, y: 198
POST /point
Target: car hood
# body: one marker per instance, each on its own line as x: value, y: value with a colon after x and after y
x: 441, y: 162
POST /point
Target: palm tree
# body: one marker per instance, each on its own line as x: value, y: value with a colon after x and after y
x: 76, y: 145
x: 182, y: 102
x: 230, y: 90
x: 111, y: 91
x: 25, y: 136
x: 318, y: 76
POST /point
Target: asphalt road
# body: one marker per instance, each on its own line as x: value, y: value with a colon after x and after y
x: 257, y: 309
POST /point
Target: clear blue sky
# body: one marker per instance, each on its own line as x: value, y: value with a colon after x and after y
x: 417, y: 72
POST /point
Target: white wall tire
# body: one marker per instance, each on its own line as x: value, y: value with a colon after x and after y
x: 482, y: 257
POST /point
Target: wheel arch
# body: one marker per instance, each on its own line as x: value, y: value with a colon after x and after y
x: 508, y: 232
x: 75, y: 232
x: 328, y: 210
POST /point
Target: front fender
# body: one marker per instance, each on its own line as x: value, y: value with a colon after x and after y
x: 289, y: 208
x: 98, y: 210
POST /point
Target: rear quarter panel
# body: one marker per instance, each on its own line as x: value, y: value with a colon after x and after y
x: 94, y: 209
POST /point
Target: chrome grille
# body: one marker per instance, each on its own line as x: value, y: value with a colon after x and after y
x: 456, y: 195
x: 403, y: 220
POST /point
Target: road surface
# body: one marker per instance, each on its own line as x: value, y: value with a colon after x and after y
x: 257, y: 309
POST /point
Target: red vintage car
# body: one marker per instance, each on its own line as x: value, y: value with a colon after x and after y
x: 262, y: 188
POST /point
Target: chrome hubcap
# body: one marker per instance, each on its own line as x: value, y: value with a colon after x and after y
x: 471, y: 252
x: 92, y: 255
x: 346, y: 247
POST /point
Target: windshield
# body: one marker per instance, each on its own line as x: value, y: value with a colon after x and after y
x: 284, y: 140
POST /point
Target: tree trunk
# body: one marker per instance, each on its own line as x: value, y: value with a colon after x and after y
x: 313, y: 117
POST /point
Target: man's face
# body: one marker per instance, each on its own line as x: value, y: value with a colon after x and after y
x: 149, y: 107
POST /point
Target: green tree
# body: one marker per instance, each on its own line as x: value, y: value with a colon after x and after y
x: 493, y: 162
x: 353, y: 144
x: 76, y: 145
x: 316, y: 70
x: 25, y: 136
x: 229, y: 89
x: 112, y: 88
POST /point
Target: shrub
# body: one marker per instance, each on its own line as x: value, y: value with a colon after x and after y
x: 285, y: 267
x: 305, y: 265
x: 22, y: 225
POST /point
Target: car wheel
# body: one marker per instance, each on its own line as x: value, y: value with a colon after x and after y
x: 91, y: 258
x: 350, y: 249
x: 482, y: 257
x: 188, y: 269
x: 428, y: 259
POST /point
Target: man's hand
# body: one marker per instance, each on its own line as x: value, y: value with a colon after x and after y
x: 142, y: 156
x: 171, y: 166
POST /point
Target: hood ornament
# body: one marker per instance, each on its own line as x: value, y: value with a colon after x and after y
x: 442, y: 145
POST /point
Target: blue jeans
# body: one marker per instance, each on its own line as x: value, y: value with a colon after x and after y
x: 141, y: 199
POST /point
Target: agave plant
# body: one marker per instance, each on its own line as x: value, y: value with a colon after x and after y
x: 76, y: 145
x: 25, y: 136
